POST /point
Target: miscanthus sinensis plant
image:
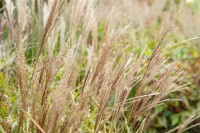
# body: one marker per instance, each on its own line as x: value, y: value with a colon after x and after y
x: 60, y: 74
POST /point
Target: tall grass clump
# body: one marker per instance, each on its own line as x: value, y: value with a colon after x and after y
x: 67, y: 76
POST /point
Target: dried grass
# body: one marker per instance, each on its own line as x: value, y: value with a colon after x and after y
x: 58, y: 97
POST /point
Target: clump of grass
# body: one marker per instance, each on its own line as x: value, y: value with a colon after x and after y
x: 80, y: 83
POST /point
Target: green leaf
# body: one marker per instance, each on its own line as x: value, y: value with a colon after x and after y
x: 160, y: 108
x: 175, y: 119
